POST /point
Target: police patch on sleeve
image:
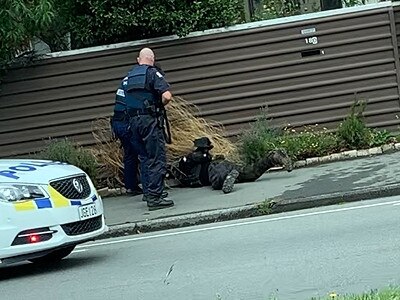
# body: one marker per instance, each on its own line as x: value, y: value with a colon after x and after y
x: 121, y: 93
x: 159, y: 74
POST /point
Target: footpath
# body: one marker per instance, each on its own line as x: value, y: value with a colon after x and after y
x: 276, y: 191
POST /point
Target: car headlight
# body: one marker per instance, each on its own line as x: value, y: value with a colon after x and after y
x: 16, y: 192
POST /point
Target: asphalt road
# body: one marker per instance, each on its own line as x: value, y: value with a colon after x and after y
x: 345, y: 248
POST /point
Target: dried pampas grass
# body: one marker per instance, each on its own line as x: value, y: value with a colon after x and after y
x: 108, y: 154
x: 185, y: 128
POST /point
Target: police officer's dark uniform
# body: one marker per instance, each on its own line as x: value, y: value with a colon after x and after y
x: 121, y: 128
x: 143, y: 87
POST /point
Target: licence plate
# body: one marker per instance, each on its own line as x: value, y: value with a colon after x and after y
x: 87, y: 211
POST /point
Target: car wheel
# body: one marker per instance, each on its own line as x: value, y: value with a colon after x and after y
x: 54, y: 256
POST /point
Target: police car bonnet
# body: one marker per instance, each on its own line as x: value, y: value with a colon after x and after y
x: 34, y: 171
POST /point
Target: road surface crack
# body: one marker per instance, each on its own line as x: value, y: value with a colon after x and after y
x: 169, y: 273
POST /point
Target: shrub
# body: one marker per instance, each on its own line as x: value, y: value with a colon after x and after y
x: 20, y: 21
x: 309, y: 143
x: 66, y: 151
x: 258, y: 140
x: 271, y: 9
x: 352, y: 132
x: 390, y: 293
x: 262, y: 138
x: 99, y: 22
x: 380, y: 137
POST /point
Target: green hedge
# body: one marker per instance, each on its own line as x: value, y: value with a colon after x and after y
x: 99, y: 22
x: 102, y: 22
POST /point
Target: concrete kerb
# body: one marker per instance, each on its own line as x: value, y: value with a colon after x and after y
x: 274, y: 206
x: 348, y: 155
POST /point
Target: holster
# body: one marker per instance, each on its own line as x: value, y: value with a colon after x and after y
x: 113, y: 137
x: 164, y: 124
x: 120, y: 116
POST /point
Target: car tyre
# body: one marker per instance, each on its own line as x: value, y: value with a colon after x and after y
x: 54, y: 256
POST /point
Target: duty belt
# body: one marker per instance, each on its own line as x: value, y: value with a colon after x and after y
x: 139, y: 111
x: 120, y: 115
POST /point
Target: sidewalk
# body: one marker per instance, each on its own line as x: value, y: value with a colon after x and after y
x: 336, y: 182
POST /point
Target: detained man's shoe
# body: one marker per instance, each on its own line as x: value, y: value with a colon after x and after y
x: 229, y: 181
x: 154, y: 203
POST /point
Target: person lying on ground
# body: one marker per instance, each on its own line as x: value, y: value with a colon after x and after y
x: 198, y: 168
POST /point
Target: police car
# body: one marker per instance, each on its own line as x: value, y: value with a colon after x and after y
x: 46, y: 209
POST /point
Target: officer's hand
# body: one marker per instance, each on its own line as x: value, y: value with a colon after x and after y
x: 166, y: 97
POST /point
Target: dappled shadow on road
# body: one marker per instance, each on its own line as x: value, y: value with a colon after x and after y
x: 340, y: 179
x: 26, y: 269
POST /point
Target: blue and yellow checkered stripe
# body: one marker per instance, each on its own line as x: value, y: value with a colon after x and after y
x: 56, y: 200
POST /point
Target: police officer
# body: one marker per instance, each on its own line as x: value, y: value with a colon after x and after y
x: 146, y: 91
x: 121, y: 128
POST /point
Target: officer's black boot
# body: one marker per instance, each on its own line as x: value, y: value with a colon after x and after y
x: 156, y: 202
x: 163, y: 195
x: 229, y: 181
x: 134, y: 192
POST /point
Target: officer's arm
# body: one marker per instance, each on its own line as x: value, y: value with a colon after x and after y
x: 163, y: 87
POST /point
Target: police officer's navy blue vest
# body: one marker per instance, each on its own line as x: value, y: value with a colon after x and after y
x: 134, y: 87
x: 120, y: 103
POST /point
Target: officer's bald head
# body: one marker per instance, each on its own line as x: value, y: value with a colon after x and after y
x: 146, y: 56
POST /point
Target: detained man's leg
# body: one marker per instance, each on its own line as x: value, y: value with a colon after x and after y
x: 222, y: 176
x: 216, y: 175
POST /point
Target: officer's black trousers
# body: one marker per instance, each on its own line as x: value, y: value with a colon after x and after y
x: 130, y: 159
x: 148, y: 139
